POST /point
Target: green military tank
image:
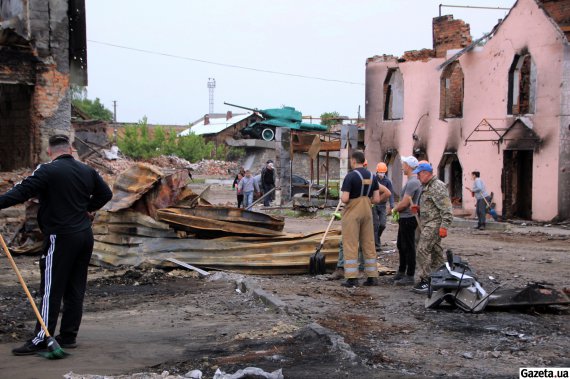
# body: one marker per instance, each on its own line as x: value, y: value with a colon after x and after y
x: 285, y: 117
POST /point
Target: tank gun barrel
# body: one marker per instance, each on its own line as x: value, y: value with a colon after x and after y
x: 242, y: 107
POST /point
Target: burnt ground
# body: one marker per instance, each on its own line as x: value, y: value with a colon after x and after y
x: 152, y: 320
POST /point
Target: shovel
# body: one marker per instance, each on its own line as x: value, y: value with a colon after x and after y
x: 317, y: 260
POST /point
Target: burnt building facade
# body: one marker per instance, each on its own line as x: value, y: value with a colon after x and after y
x: 499, y: 105
x: 42, y: 51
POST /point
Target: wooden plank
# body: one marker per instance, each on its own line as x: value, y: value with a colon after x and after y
x: 188, y: 266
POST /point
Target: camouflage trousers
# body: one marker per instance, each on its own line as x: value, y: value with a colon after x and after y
x: 429, y: 254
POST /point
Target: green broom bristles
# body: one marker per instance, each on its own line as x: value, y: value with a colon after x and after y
x: 54, y: 350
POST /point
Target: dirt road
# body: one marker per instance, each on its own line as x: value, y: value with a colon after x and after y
x: 153, y: 321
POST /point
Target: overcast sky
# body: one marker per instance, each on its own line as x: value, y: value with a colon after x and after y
x: 313, y: 38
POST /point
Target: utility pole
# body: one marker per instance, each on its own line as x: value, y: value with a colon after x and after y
x: 115, y: 121
x: 211, y: 87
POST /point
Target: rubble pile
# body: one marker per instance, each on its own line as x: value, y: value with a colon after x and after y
x: 12, y: 219
x: 10, y: 178
x: 214, y: 167
x: 169, y: 161
x: 109, y: 167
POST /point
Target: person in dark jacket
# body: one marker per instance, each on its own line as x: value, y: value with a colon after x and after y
x: 235, y: 186
x: 268, y: 182
x: 68, y: 191
x: 379, y: 210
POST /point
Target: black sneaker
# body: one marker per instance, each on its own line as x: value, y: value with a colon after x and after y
x: 399, y: 275
x: 29, y: 348
x: 352, y: 282
x: 421, y: 287
x: 407, y: 280
x: 371, y: 282
x: 66, y: 343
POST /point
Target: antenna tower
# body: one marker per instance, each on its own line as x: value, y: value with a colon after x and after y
x: 211, y: 87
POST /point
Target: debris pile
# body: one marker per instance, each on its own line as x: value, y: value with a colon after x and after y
x: 19, y: 218
x: 170, y: 161
x: 455, y: 283
x: 10, y: 178
x: 130, y: 230
x: 214, y: 167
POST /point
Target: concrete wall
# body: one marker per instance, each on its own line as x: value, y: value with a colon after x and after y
x: 486, y: 71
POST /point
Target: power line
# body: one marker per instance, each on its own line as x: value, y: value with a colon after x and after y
x: 224, y: 64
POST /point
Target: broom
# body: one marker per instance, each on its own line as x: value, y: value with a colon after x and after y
x: 54, y: 350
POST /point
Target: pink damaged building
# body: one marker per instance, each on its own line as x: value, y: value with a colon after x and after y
x: 499, y: 105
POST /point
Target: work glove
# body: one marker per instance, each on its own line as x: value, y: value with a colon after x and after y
x: 395, y: 215
x: 415, y: 209
x: 337, y: 216
x: 442, y: 232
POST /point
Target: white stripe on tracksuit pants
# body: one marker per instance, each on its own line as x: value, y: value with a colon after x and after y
x: 64, y: 278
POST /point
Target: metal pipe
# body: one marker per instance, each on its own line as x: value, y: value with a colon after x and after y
x: 470, y: 6
x: 261, y: 198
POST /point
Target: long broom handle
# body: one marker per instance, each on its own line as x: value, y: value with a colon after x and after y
x: 24, y: 286
x: 330, y: 222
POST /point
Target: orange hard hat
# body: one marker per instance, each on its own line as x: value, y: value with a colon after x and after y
x: 381, y: 167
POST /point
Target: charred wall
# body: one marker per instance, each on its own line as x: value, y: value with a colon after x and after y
x: 564, y: 161
x: 35, y: 59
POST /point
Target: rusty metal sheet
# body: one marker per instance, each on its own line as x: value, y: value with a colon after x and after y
x: 217, y: 221
x: 131, y: 185
x: 237, y: 215
x: 168, y: 191
x: 286, y: 254
x: 145, y: 189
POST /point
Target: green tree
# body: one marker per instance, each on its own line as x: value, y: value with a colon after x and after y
x: 139, y: 142
x: 194, y: 148
x: 93, y: 108
x: 330, y: 118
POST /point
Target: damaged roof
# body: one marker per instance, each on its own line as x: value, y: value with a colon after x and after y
x: 215, y: 125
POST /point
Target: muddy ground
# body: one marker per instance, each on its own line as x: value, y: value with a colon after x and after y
x: 154, y: 320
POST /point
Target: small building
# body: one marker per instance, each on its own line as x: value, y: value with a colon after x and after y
x: 217, y: 127
x: 42, y: 51
x: 499, y: 105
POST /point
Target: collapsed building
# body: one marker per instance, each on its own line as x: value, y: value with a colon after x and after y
x: 499, y: 104
x: 42, y: 50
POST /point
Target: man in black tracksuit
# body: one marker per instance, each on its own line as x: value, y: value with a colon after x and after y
x: 67, y: 190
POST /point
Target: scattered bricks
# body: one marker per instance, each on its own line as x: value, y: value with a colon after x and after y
x: 418, y: 55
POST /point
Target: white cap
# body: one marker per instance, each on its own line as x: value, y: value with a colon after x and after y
x: 411, y: 161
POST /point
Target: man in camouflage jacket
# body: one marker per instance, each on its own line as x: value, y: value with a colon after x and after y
x: 435, y: 218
